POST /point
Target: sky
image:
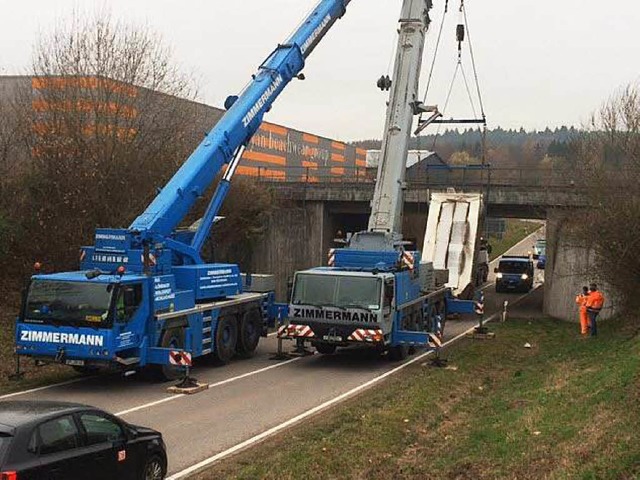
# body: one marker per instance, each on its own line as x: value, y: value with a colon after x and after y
x: 540, y: 63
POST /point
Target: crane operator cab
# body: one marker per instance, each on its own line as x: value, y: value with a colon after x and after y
x: 330, y: 307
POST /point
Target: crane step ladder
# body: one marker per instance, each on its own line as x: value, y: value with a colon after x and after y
x: 207, y: 335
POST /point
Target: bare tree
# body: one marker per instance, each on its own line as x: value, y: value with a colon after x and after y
x: 608, y: 160
x: 108, y: 124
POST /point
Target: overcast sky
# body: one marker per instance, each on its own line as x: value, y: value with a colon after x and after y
x: 543, y: 62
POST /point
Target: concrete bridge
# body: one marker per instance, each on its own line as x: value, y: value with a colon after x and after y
x: 311, y: 212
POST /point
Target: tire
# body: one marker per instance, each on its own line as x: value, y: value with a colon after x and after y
x: 154, y: 469
x: 226, y: 339
x: 325, y: 348
x: 398, y: 353
x: 86, y: 371
x: 249, y: 333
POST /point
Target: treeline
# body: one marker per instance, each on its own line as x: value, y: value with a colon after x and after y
x: 504, y: 147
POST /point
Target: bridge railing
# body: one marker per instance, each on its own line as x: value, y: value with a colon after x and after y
x: 468, y: 176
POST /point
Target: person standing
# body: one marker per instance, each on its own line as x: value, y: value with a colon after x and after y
x: 581, y: 300
x: 594, y: 304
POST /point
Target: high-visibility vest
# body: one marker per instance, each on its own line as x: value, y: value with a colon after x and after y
x: 581, y: 300
x: 595, y: 301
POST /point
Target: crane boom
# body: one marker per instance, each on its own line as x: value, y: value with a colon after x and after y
x: 388, y: 197
x: 234, y: 130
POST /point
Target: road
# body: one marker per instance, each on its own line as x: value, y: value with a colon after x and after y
x: 247, y: 399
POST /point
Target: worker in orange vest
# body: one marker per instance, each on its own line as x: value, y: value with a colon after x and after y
x: 581, y: 300
x: 594, y: 304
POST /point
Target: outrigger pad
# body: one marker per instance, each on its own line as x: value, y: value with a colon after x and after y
x: 188, y: 386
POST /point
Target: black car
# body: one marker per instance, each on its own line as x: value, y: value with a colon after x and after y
x: 68, y: 441
x: 514, y: 273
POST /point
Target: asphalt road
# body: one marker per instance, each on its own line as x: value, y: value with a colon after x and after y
x: 247, y: 397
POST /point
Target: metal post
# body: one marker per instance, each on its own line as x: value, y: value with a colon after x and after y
x: 18, y: 374
x: 280, y: 353
x: 504, y: 310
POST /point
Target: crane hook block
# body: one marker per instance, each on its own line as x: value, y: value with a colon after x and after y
x: 384, y: 83
x: 460, y: 33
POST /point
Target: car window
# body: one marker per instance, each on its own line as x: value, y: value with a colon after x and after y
x: 100, y: 429
x: 5, y: 441
x: 58, y: 435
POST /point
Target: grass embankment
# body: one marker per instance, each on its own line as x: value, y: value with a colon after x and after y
x: 565, y: 408
x: 516, y: 230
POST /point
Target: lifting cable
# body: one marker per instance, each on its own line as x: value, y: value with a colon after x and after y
x: 460, y: 37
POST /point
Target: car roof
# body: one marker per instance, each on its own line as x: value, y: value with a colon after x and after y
x: 515, y: 259
x: 14, y: 413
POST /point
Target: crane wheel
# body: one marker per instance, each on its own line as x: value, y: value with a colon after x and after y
x: 226, y: 338
x: 249, y: 333
x: 398, y: 353
x: 325, y: 348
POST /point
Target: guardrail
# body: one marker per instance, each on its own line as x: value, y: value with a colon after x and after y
x: 475, y: 176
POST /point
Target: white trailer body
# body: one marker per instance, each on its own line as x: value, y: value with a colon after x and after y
x: 451, y: 236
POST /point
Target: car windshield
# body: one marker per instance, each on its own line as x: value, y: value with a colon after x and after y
x: 68, y: 302
x: 337, y: 291
x: 513, y: 267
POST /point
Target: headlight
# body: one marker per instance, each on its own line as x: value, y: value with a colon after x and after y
x: 524, y: 276
x: 498, y: 275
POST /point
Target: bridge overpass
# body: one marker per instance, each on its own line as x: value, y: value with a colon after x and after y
x: 313, y: 207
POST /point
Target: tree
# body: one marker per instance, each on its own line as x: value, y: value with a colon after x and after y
x: 608, y: 157
x: 109, y: 124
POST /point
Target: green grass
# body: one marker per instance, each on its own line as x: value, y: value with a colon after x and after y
x: 566, y: 408
x: 516, y: 231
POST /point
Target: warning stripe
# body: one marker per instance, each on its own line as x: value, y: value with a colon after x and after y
x: 332, y: 257
x: 408, y: 259
x: 366, y: 335
x: 304, y: 331
x: 479, y: 307
x: 152, y: 259
x: 435, y: 339
x: 179, y: 358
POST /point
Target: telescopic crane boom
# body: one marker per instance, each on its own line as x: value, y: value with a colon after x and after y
x: 224, y: 144
x: 388, y: 197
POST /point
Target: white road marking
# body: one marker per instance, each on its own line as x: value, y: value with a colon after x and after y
x: 44, y: 387
x: 213, y: 385
x: 292, y: 421
x: 61, y: 384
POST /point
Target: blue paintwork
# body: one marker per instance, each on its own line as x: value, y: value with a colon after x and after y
x: 173, y: 275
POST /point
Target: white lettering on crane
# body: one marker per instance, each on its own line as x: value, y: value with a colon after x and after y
x: 57, y: 337
x: 262, y: 100
x: 315, y: 34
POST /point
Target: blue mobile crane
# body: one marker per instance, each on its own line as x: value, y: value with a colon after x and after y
x: 375, y: 292
x: 144, y: 293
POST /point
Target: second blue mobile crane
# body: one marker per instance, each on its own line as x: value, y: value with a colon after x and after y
x: 374, y: 291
